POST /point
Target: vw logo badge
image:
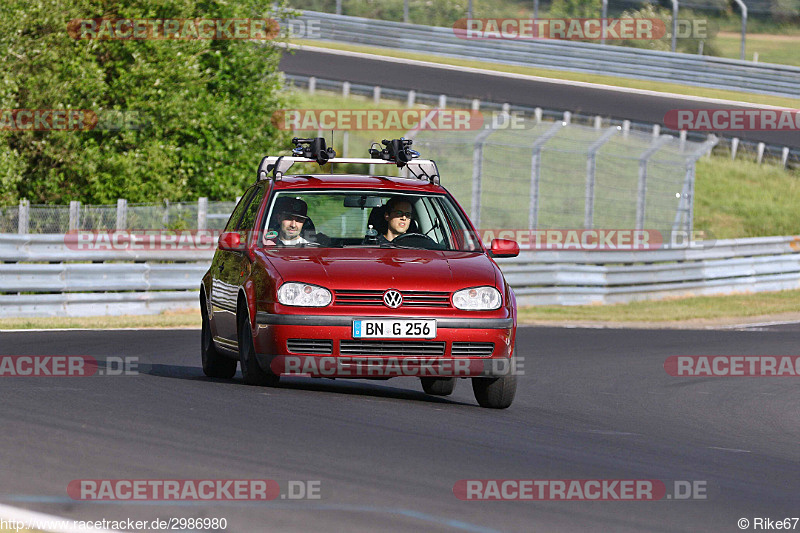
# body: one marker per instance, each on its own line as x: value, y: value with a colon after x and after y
x: 392, y: 298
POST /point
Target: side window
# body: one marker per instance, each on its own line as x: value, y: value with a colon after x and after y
x: 238, y: 210
x: 249, y: 218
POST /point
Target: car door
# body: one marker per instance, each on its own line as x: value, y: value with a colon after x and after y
x: 224, y: 284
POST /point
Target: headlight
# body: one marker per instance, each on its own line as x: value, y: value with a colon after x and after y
x: 477, y: 299
x: 303, y: 295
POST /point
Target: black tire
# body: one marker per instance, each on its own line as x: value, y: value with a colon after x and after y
x: 495, y: 393
x: 438, y: 386
x: 215, y: 365
x: 252, y: 373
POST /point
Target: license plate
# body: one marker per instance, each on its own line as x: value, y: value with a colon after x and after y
x: 394, y: 329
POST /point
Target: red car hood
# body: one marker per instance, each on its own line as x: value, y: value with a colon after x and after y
x: 383, y: 268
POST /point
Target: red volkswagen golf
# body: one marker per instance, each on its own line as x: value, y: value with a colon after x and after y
x: 358, y: 276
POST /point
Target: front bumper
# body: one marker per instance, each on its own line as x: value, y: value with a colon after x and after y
x: 323, y: 346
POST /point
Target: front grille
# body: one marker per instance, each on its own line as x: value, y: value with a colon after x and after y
x: 473, y: 349
x: 317, y: 346
x: 392, y: 348
x: 410, y: 298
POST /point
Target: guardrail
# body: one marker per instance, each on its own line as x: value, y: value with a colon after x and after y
x: 29, y: 287
x: 701, y: 71
x: 721, y: 267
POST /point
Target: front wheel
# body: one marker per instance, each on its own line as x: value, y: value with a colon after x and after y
x: 495, y: 393
x: 252, y: 373
x: 215, y: 365
x: 438, y: 386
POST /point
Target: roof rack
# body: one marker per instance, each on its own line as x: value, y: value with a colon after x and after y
x: 396, y: 152
x: 275, y: 167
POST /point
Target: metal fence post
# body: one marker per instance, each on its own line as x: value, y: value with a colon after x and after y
x: 743, y: 7
x: 412, y: 96
x: 376, y: 95
x: 588, y: 219
x: 674, y: 25
x: 760, y: 154
x: 74, y: 215
x: 122, y: 213
x: 312, y: 85
x: 686, y: 202
x: 202, y: 212
x: 23, y: 217
x: 442, y: 101
x: 641, y: 198
x: 165, y: 218
x: 734, y: 147
x: 784, y: 156
x: 346, y: 89
x: 536, y: 167
x: 604, y: 23
x: 477, y: 175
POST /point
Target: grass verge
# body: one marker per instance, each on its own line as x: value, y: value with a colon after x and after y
x: 673, y: 311
x: 172, y: 319
x: 570, y: 76
x: 736, y: 199
x: 780, y: 49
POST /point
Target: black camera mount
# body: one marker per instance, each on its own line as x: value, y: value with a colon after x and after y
x: 397, y: 151
x: 315, y: 149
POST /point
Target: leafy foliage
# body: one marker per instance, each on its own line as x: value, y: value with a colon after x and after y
x: 205, y: 105
x: 688, y: 45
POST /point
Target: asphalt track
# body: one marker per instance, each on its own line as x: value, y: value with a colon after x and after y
x: 593, y: 404
x: 603, y: 101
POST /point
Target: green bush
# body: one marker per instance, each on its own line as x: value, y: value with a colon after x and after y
x: 206, y: 103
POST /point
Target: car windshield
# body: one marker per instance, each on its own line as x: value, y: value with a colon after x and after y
x: 348, y: 218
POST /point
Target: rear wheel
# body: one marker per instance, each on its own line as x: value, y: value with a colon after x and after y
x: 495, y: 393
x: 215, y: 365
x: 252, y: 373
x: 438, y: 386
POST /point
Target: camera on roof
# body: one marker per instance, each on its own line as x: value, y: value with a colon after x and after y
x: 315, y: 149
x: 396, y: 150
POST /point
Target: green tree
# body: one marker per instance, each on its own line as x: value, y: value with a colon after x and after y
x: 204, y: 105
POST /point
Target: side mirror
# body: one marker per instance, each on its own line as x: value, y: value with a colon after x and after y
x: 230, y: 241
x: 504, y: 248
